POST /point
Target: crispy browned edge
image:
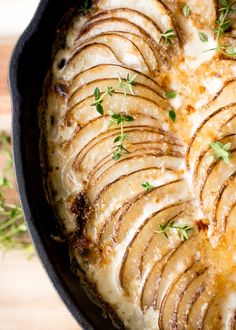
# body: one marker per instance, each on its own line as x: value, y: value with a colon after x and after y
x: 90, y: 288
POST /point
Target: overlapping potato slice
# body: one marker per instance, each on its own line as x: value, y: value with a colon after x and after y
x: 148, y: 33
x: 132, y: 268
x: 147, y: 51
x: 82, y: 112
x: 87, y: 90
x: 159, y: 13
x: 125, y: 50
x: 112, y: 71
x: 125, y: 189
x: 83, y: 59
x: 136, y: 17
x: 214, y: 179
x: 106, y: 25
x: 188, y: 299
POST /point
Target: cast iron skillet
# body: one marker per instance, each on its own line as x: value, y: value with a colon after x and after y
x: 29, y: 64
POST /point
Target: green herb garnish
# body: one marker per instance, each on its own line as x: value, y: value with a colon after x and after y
x: 147, y: 186
x: 120, y: 119
x: 117, y: 118
x: 186, y: 10
x: 124, y: 84
x: 170, y: 226
x: 86, y: 7
x: 203, y: 36
x: 167, y: 37
x: 172, y: 115
x: 221, y: 151
x: 170, y: 94
x: 223, y: 25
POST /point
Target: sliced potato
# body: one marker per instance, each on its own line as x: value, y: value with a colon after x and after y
x: 98, y: 126
x: 208, y: 132
x: 130, y: 269
x: 195, y: 290
x: 111, y: 24
x: 83, y: 111
x: 199, y: 310
x: 145, y: 131
x: 218, y: 182
x: 107, y: 148
x: 202, y: 164
x: 124, y: 189
x: 152, y: 282
x: 175, y: 158
x: 125, y: 50
x: 112, y: 71
x: 135, y: 17
x: 225, y: 97
x: 88, y: 90
x: 148, y: 30
x: 87, y: 57
x: 168, y: 182
x: 178, y: 265
x: 170, y: 306
x: 146, y: 50
x: 159, y: 14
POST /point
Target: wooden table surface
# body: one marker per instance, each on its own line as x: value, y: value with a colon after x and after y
x: 27, y: 298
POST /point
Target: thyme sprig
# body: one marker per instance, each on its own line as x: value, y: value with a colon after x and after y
x: 120, y: 149
x: 13, y: 230
x: 171, y: 226
x: 223, y: 25
x: 124, y: 84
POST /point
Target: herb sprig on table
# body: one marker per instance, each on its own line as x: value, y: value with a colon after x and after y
x: 13, y: 230
x: 125, y: 85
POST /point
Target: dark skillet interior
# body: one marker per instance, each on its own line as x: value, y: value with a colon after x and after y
x: 30, y: 62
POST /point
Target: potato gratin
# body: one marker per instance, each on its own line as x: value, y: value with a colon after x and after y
x: 138, y: 137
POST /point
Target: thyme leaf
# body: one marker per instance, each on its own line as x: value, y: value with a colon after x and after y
x: 172, y: 115
x: 170, y: 94
x: 147, y: 186
x: 167, y: 37
x: 186, y: 10
x: 203, y: 36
